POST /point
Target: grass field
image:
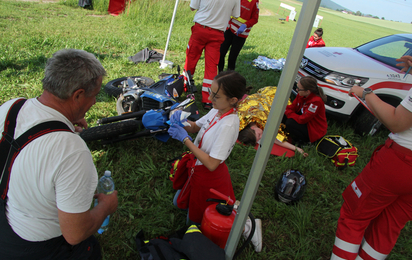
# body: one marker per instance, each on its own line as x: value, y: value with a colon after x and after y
x: 30, y: 32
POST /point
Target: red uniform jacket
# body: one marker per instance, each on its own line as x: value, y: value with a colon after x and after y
x: 313, y: 114
x: 313, y: 43
x: 249, y: 15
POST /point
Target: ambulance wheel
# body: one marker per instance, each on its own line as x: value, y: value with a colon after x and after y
x: 115, y: 87
x: 110, y: 130
x: 367, y: 124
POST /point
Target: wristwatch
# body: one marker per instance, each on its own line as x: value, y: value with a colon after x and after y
x: 366, y: 91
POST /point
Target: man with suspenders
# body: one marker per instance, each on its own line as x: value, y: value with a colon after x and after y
x: 47, y: 175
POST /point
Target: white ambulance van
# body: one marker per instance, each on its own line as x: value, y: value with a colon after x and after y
x: 372, y: 64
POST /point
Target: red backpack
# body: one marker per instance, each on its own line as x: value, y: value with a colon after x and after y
x: 339, y: 150
x: 180, y: 169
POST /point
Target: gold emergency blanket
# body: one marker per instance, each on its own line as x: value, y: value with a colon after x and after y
x: 255, y: 108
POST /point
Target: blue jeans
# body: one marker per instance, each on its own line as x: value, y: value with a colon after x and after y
x: 188, y: 221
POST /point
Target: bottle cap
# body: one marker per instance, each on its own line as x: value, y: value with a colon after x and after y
x: 108, y: 173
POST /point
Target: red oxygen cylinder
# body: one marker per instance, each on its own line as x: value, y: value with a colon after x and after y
x: 215, y: 225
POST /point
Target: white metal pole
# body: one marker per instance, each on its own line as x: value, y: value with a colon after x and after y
x: 287, y: 78
x: 170, y: 30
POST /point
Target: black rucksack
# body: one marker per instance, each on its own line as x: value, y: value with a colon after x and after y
x: 185, y: 244
x: 159, y: 248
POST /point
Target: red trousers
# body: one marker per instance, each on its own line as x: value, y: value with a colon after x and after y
x: 197, y: 190
x: 377, y: 205
x: 208, y: 39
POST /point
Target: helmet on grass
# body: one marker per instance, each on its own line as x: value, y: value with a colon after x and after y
x: 290, y: 187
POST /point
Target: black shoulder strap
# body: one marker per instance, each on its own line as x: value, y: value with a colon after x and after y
x: 10, y: 147
x: 7, y: 139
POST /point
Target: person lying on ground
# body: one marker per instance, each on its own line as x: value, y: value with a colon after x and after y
x: 253, y: 112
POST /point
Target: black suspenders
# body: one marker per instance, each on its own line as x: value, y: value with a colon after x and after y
x: 10, y: 147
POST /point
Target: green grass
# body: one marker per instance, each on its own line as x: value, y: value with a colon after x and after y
x: 30, y: 32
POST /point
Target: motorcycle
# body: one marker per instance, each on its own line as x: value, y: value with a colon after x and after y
x: 143, y: 110
x: 137, y: 93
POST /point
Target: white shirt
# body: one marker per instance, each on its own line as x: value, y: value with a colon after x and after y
x: 404, y: 138
x: 215, y: 13
x: 54, y: 171
x: 219, y: 140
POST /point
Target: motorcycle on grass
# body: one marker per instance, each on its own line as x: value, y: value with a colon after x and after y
x: 143, y: 108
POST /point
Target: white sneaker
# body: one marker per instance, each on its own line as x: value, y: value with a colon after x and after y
x: 257, y: 236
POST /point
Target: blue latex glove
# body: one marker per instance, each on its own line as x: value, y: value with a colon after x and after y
x: 177, y: 132
x: 241, y: 29
x: 175, y: 118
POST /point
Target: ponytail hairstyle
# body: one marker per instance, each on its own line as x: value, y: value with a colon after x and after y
x: 232, y: 83
x: 310, y: 83
x: 319, y: 32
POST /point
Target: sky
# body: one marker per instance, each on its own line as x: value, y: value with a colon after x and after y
x: 396, y: 10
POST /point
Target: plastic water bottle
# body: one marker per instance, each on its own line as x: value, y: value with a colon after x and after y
x: 106, y: 186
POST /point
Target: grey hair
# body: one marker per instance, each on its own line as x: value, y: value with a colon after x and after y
x: 70, y: 70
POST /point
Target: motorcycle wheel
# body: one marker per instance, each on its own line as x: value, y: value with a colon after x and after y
x: 128, y: 104
x: 110, y: 130
x: 115, y: 87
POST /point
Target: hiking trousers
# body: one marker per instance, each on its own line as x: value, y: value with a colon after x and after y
x: 377, y: 205
x: 208, y: 39
x: 235, y: 43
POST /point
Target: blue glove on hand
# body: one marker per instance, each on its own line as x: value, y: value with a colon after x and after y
x: 241, y: 29
x: 175, y: 118
x: 177, y: 132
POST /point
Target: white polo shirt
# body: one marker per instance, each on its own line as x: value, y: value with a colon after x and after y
x: 55, y: 171
x: 404, y: 138
x: 215, y: 13
x: 219, y: 140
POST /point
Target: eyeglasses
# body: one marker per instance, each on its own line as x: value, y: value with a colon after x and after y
x: 301, y: 89
x: 211, y: 93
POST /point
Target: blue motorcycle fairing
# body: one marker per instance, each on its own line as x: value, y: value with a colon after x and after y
x: 157, y: 97
x: 156, y: 120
